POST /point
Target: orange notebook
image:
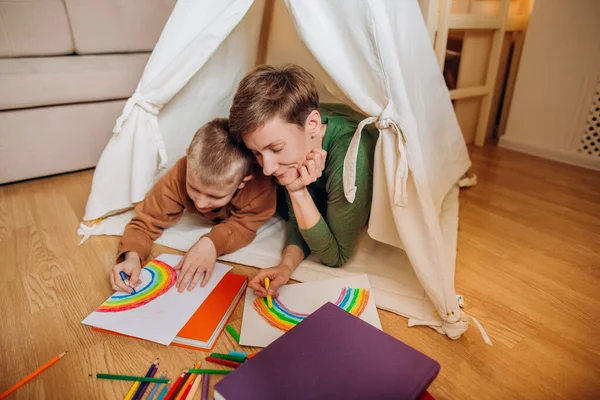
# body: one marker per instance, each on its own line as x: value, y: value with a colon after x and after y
x: 206, y: 325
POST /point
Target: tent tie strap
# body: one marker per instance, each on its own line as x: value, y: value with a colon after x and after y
x: 384, y: 121
x: 136, y: 100
x: 455, y: 329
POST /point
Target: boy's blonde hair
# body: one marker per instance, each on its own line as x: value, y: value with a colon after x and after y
x: 288, y: 92
x: 215, y: 157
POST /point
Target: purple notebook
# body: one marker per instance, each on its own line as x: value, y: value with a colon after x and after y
x: 331, y: 355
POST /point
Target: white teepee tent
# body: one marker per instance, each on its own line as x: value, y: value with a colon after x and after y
x: 374, y: 55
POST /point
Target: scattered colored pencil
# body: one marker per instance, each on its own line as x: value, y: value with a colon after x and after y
x: 178, y: 388
x: 163, y: 393
x: 184, y: 393
x: 132, y: 390
x: 205, y: 384
x: 269, y: 298
x: 209, y: 371
x: 233, y: 333
x: 32, y: 375
x: 252, y: 355
x: 174, y: 386
x: 228, y: 357
x: 155, y: 388
x: 194, y: 388
x: 220, y: 361
x: 186, y: 383
x: 150, y: 374
x: 132, y: 378
x: 240, y: 354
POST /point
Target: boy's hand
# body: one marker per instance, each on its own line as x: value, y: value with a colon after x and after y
x: 310, y: 171
x: 199, y: 260
x: 132, y: 267
x: 278, y: 275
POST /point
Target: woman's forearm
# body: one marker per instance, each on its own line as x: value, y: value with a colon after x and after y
x: 292, y: 256
x: 305, y: 210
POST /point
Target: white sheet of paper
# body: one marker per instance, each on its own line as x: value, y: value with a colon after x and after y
x: 161, y: 319
x: 302, y: 298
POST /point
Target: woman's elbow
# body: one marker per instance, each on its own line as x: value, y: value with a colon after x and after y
x: 338, y: 261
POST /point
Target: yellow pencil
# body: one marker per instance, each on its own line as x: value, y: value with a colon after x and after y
x: 131, y: 391
x: 269, y: 298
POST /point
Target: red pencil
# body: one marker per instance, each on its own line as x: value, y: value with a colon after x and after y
x: 187, y: 390
x: 174, y: 387
x: 221, y: 361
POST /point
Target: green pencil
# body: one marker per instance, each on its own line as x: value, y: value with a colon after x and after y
x: 208, y: 371
x: 229, y: 357
x: 233, y: 333
x: 132, y: 378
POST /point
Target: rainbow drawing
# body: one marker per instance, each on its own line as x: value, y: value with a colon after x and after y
x: 352, y: 300
x: 162, y: 278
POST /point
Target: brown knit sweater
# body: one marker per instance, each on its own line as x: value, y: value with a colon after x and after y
x: 235, y: 224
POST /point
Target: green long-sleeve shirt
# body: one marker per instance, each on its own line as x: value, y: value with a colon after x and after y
x: 332, y: 239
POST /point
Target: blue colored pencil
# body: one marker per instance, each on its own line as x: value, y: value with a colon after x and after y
x: 163, y: 393
x: 123, y: 276
x: 155, y: 388
x: 144, y: 385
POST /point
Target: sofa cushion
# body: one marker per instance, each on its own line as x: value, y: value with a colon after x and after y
x: 32, y: 82
x: 117, y: 26
x: 34, y: 28
x: 51, y: 140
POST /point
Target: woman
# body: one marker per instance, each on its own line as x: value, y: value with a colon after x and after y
x: 276, y: 113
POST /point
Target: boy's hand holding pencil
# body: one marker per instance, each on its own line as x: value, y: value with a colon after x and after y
x: 125, y: 276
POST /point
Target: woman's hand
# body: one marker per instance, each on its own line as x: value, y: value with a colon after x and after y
x: 278, y: 275
x: 310, y: 171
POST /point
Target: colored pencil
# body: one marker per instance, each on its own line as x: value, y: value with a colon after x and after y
x: 32, y: 375
x: 252, y: 355
x: 155, y: 388
x: 132, y: 378
x: 205, y: 384
x: 209, y: 371
x: 131, y: 391
x: 178, y: 388
x: 233, y: 333
x: 269, y: 298
x: 163, y: 393
x: 150, y: 374
x: 174, y: 386
x: 186, y: 383
x: 194, y: 388
x: 125, y: 279
x: 240, y: 354
x: 228, y: 357
x: 220, y: 361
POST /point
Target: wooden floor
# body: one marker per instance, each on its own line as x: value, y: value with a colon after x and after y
x: 528, y: 266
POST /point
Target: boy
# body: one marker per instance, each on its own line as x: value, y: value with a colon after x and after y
x: 215, y: 179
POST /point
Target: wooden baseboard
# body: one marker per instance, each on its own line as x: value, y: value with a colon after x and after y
x: 567, y: 157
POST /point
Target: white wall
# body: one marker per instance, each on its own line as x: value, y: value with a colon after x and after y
x: 558, y: 72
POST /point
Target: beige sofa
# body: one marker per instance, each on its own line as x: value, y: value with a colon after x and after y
x: 66, y: 69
